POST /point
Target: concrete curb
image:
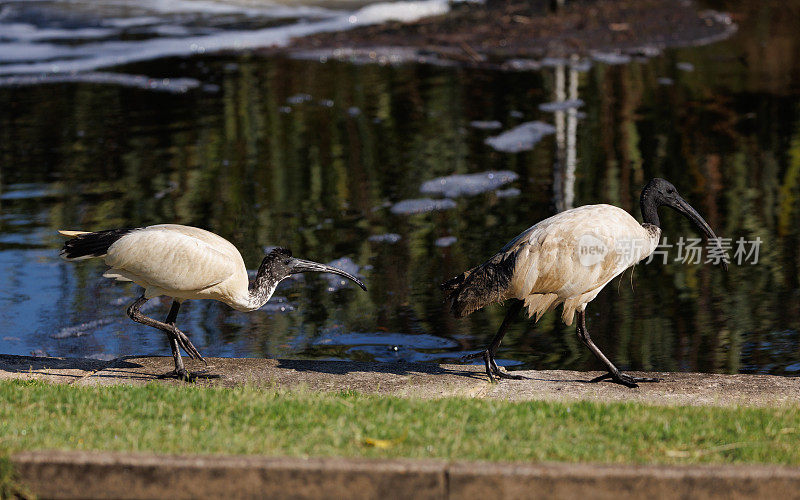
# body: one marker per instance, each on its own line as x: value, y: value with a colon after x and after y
x: 77, y: 474
x: 425, y: 380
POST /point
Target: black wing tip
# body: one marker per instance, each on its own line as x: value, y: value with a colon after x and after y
x: 94, y: 244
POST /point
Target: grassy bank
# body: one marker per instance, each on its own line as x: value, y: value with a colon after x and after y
x: 168, y: 419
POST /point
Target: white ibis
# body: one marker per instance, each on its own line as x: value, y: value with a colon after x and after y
x: 567, y: 259
x: 184, y: 262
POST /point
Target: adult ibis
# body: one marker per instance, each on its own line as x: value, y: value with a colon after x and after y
x: 184, y: 262
x: 567, y: 259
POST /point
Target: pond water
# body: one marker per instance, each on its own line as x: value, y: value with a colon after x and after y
x: 408, y: 174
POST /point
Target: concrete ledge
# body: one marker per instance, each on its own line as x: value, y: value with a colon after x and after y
x: 122, y: 475
x: 77, y: 474
x: 425, y: 380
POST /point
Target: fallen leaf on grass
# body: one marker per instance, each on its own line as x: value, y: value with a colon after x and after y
x: 383, y: 443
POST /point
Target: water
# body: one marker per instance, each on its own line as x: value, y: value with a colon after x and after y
x: 241, y: 154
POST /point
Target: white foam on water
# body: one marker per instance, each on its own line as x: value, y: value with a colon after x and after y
x: 27, y: 58
x: 24, y: 52
x: 298, y: 98
x: 170, y: 85
x: 421, y: 206
x: 445, y: 241
x: 170, y: 30
x: 390, y: 238
x: 486, y: 124
x: 468, y: 184
x: 611, y: 58
x: 520, y: 138
x: 405, y: 12
x: 507, y: 193
x: 551, y: 107
x: 131, y: 22
x: 24, y: 32
x: 523, y: 64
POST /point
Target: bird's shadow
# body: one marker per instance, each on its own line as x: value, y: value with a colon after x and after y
x: 57, y: 367
x: 394, y: 368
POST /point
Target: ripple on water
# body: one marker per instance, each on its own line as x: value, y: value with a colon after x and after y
x: 169, y: 85
x: 551, y: 107
x: 520, y: 138
x: 468, y: 184
x: 611, y: 58
x: 80, y: 330
x: 507, y: 193
x: 390, y: 238
x: 416, y: 341
x: 278, y: 304
x: 421, y: 206
x: 485, y: 124
x: 445, y: 241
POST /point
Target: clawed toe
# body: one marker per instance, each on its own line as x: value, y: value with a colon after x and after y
x: 502, y: 373
x: 187, y: 346
x: 492, y: 370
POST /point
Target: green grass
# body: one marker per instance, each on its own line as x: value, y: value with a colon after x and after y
x: 190, y: 419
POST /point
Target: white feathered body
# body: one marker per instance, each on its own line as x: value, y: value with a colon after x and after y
x: 569, y: 257
x: 181, y: 262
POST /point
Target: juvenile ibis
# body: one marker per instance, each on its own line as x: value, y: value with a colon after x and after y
x: 184, y: 262
x: 567, y: 259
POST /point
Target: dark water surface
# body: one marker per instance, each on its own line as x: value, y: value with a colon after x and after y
x: 312, y: 156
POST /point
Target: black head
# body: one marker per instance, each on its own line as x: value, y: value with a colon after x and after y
x: 660, y: 192
x: 279, y: 264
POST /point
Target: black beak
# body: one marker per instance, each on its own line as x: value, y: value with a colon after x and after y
x: 305, y: 266
x: 683, y: 207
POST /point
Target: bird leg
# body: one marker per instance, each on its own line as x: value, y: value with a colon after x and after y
x: 176, y: 337
x: 179, y: 372
x: 492, y: 369
x: 613, y: 372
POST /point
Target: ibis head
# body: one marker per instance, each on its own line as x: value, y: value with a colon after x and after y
x: 281, y: 264
x: 660, y: 192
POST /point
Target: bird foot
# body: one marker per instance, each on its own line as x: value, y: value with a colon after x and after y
x: 187, y: 345
x: 492, y: 370
x: 181, y: 374
x: 502, y: 372
x: 624, y: 379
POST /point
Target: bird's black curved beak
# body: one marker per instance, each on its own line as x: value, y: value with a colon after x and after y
x: 304, y: 266
x: 683, y: 207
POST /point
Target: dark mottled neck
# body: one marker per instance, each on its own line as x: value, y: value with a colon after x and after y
x: 649, y: 208
x: 264, y: 284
